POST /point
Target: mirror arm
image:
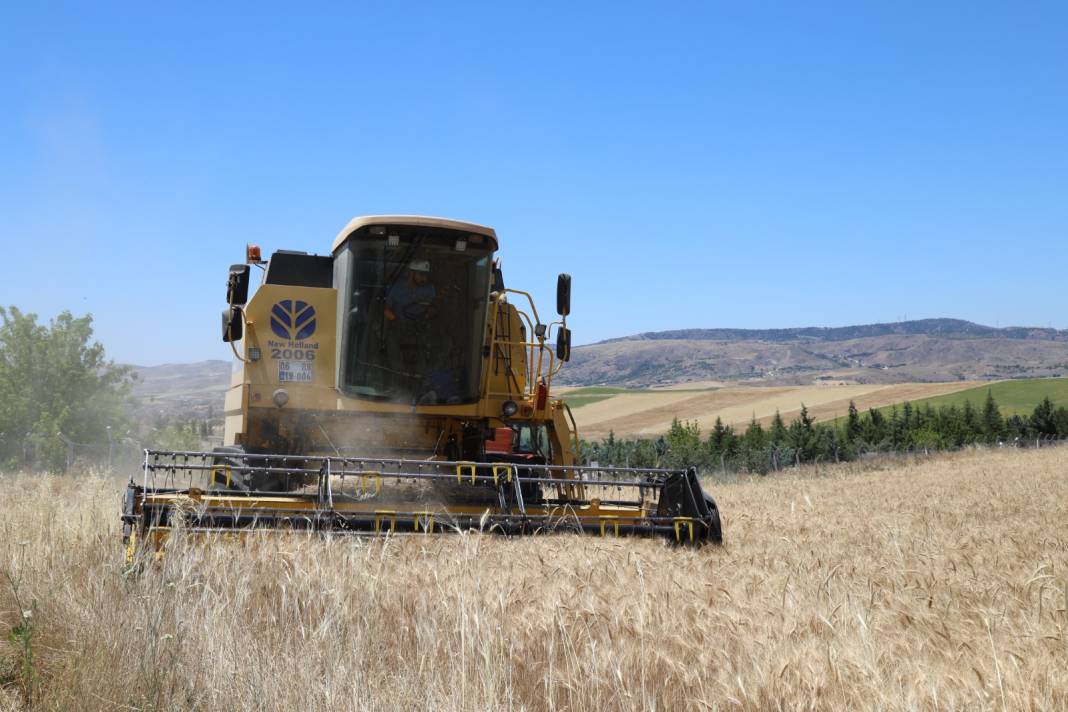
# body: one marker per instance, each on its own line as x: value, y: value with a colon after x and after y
x: 244, y: 330
x: 238, y: 356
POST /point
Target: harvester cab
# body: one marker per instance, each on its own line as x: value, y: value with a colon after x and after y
x: 397, y: 385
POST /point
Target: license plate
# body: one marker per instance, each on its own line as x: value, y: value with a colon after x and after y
x: 294, y: 372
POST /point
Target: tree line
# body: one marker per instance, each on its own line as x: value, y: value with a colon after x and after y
x: 62, y: 399
x: 58, y: 389
x: 757, y: 449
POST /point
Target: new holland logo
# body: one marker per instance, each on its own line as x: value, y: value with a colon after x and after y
x: 293, y: 320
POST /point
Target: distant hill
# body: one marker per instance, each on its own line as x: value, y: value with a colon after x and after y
x: 947, y: 328
x: 925, y: 350
x: 188, y: 390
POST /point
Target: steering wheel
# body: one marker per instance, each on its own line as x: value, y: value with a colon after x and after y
x: 416, y: 311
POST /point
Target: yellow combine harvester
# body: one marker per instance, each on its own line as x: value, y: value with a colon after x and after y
x: 397, y: 386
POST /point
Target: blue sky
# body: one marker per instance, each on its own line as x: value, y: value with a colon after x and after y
x: 692, y: 165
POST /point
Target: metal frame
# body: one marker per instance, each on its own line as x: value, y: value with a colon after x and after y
x: 349, y: 495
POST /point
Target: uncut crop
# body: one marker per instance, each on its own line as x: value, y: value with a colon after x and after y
x: 936, y: 584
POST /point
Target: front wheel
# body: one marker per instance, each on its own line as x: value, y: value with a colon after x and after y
x: 715, y: 527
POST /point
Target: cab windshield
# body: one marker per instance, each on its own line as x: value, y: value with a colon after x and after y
x: 416, y: 314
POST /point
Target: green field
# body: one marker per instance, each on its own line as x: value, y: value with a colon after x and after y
x: 591, y: 394
x: 1013, y: 397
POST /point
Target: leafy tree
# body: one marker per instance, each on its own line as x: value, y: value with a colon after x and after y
x: 55, y: 379
x: 178, y: 436
x: 684, y: 443
x: 926, y: 439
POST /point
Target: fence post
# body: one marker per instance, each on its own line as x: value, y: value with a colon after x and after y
x: 70, y: 448
x: 25, y: 445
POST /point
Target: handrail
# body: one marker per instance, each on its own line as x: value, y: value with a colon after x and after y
x: 533, y: 373
x: 532, y: 384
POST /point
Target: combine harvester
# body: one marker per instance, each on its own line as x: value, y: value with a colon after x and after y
x: 393, y: 387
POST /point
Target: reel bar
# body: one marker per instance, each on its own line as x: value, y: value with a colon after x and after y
x: 430, y: 476
x: 360, y: 461
x: 357, y: 496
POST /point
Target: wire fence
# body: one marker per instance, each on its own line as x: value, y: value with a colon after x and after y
x: 118, y: 454
x: 778, y: 459
x: 112, y: 455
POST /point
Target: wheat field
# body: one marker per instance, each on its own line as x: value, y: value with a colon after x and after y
x: 650, y: 412
x: 922, y: 584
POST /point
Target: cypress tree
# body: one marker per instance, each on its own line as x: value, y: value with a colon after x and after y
x: 1042, y: 419
x: 852, y: 423
x: 876, y: 427
x: 970, y: 421
x: 993, y: 424
x: 718, y: 444
x: 1060, y: 419
x: 897, y: 433
x: 753, y: 439
x: 777, y: 432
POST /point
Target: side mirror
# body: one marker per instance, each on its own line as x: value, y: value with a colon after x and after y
x: 563, y: 344
x: 237, y: 285
x: 233, y: 324
x: 563, y: 294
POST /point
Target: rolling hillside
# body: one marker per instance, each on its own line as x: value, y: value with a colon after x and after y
x: 931, y: 350
x: 630, y: 412
x: 753, y: 372
x: 182, y: 389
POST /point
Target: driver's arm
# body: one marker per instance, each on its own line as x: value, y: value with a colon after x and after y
x: 391, y: 299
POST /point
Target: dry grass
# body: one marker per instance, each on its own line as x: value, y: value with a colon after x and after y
x: 651, y: 412
x: 932, y: 584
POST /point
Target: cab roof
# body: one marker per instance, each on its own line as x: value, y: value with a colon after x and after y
x: 356, y: 223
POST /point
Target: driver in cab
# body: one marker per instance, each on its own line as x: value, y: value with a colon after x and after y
x: 407, y: 312
x: 411, y: 298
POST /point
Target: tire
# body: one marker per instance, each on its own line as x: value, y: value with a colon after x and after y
x: 715, y: 527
